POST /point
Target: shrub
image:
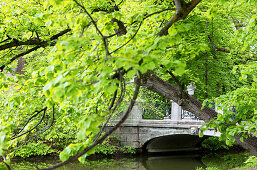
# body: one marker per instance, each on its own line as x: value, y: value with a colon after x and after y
x: 214, y: 144
x: 34, y: 149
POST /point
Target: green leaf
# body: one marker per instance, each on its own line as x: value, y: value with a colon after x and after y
x: 47, y: 86
x: 201, y: 134
x: 131, y: 74
x: 48, y: 23
x: 111, y: 89
x: 65, y: 154
x: 180, y: 68
x: 82, y: 159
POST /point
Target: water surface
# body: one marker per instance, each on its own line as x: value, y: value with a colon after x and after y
x: 189, y: 162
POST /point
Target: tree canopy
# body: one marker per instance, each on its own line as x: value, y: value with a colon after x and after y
x: 81, y: 58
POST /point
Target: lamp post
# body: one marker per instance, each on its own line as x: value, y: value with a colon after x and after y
x: 191, y: 88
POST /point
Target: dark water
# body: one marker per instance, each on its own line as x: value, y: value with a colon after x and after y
x: 189, y: 162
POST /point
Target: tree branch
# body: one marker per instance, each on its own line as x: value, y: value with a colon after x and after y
x: 43, y: 44
x: 113, y: 100
x: 40, y: 132
x: 128, y: 40
x: 183, y: 94
x: 228, y: 51
x: 37, y: 112
x: 16, y: 43
x: 111, y: 106
x: 132, y: 102
x: 182, y: 11
x: 216, y: 48
x: 96, y: 27
x: 154, y: 83
x: 6, y: 164
x: 158, y: 12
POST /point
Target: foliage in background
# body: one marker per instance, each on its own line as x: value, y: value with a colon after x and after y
x: 153, y: 105
x: 239, y: 107
x: 214, y: 143
x: 69, y: 80
x: 112, y: 146
x: 34, y: 149
x: 251, y: 162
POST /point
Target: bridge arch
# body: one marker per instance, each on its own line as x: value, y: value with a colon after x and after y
x: 173, y: 143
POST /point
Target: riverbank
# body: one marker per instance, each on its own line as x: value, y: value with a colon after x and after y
x: 213, y: 156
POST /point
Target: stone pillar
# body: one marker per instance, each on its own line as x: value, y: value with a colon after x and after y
x: 175, y: 111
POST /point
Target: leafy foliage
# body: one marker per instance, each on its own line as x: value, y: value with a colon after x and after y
x: 222, y: 162
x: 82, y: 55
x: 112, y: 146
x: 34, y: 149
x: 214, y: 144
x: 242, y: 119
x: 251, y: 162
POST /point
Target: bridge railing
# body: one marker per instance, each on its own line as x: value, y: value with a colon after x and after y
x: 156, y: 111
x: 166, y: 111
x: 188, y: 115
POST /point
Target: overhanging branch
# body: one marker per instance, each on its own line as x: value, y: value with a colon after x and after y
x: 154, y: 83
x: 182, y: 11
x: 42, y: 44
x: 129, y: 109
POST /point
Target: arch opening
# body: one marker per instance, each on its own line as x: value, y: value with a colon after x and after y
x: 174, y: 143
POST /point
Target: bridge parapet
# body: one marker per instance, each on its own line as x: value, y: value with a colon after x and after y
x: 137, y: 131
x: 160, y: 111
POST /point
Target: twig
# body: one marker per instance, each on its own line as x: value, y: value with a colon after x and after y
x: 216, y: 48
x: 33, y: 127
x: 123, y: 88
x: 115, y: 107
x: 147, y: 16
x: 37, y: 112
x: 129, y: 39
x: 113, y: 100
x: 7, y: 39
x: 40, y: 132
x: 96, y: 27
x: 4, y: 161
x: 167, y: 9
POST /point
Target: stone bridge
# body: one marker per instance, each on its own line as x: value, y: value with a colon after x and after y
x: 178, y: 131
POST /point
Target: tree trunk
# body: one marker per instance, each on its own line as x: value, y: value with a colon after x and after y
x: 20, y: 65
x: 152, y: 82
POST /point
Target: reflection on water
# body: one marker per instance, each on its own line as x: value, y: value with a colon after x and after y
x: 173, y: 163
x: 138, y: 163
